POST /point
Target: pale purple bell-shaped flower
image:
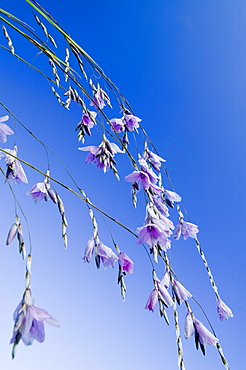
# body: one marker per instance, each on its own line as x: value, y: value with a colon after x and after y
x: 152, y: 300
x: 161, y: 206
x: 87, y: 122
x: 89, y: 250
x: 117, y: 125
x: 140, y: 179
x: 29, y: 322
x: 103, y: 155
x: 4, y: 129
x: 125, y: 262
x: 186, y: 229
x: 107, y: 256
x: 131, y: 122
x: 151, y: 234
x: 144, y: 167
x: 102, y: 253
x: 41, y: 191
x: 159, y: 292
x: 223, y: 310
x: 98, y: 98
x: 189, y: 325
x: 181, y: 293
x: 202, y: 335
x: 172, y: 196
x: 154, y: 159
x: 15, y: 170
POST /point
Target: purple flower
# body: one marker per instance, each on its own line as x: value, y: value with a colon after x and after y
x: 102, y: 253
x: 154, y: 159
x: 131, y: 121
x: 202, y: 335
x: 87, y: 122
x: 89, y: 250
x: 99, y: 98
x: 186, y: 229
x: 41, y: 191
x: 152, y: 300
x: 4, y: 129
x: 144, y: 167
x: 117, y: 125
x: 161, y: 206
x: 151, y: 234
x: 128, y: 122
x: 140, y: 179
x: 223, y: 310
x: 106, y: 255
x: 159, y: 292
x: 29, y: 322
x: 15, y: 170
x: 125, y: 263
x: 103, y: 155
x: 172, y: 196
x: 181, y: 293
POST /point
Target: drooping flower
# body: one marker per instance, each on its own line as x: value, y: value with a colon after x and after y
x: 103, y: 155
x: 186, y: 229
x: 126, y: 264
x: 154, y: 159
x: 103, y: 253
x: 172, y: 196
x: 202, y: 335
x: 152, y: 234
x: 87, y: 122
x: 106, y: 255
x: 15, y: 170
x: 117, y: 125
x: 159, y: 292
x: 131, y: 121
x: 152, y: 300
x: 29, y: 322
x: 181, y: 293
x: 223, y: 310
x: 161, y: 206
x: 4, y: 129
x: 99, y: 98
x: 42, y: 190
x: 140, y: 179
x: 128, y: 122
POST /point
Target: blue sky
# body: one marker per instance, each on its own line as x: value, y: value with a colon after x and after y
x: 182, y: 68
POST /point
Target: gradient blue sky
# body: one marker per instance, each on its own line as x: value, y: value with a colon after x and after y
x: 181, y: 65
